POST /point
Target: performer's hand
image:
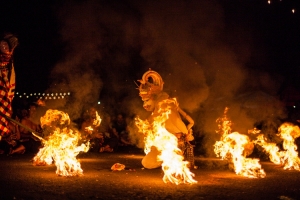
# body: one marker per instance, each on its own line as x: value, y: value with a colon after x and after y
x: 189, y: 136
x: 189, y: 127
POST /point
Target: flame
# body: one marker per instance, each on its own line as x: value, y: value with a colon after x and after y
x: 224, y: 125
x: 289, y: 156
x: 175, y: 169
x: 97, y: 120
x: 61, y: 146
x: 89, y: 129
x: 234, y: 147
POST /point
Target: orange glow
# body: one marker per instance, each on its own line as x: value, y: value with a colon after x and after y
x: 97, y: 120
x: 288, y: 157
x: 61, y: 146
x: 96, y: 123
x: 89, y: 129
x: 234, y: 147
x: 175, y: 169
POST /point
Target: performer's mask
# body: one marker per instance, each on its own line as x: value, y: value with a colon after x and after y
x: 149, y: 104
x: 4, y: 47
x: 7, y: 45
x: 151, y: 85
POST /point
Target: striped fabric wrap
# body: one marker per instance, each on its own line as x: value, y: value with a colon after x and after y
x: 7, y: 89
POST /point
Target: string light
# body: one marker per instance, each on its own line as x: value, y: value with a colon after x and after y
x: 53, y: 96
x: 293, y: 10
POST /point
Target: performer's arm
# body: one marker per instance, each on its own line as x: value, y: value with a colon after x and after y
x: 189, y: 136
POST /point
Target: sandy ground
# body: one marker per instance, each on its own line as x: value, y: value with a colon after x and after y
x: 21, y: 180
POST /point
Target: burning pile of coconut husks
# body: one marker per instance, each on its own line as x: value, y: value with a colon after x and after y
x: 166, y: 134
x: 235, y: 147
x: 61, y: 145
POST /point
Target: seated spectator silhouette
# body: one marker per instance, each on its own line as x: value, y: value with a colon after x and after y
x: 110, y: 142
x: 120, y: 130
x: 16, y: 145
x: 12, y: 144
x: 31, y: 143
x: 90, y: 130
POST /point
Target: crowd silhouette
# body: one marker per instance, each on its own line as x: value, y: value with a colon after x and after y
x: 111, y: 135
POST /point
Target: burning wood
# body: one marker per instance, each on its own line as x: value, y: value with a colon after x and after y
x: 61, y: 145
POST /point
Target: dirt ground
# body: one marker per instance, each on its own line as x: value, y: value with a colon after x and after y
x: 21, y: 180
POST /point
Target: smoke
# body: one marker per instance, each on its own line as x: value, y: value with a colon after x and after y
x: 202, y: 59
x: 99, y: 39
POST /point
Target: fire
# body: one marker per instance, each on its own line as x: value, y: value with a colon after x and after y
x: 234, y: 147
x: 96, y: 122
x: 61, y: 146
x: 89, y: 129
x: 289, y: 156
x: 175, y: 169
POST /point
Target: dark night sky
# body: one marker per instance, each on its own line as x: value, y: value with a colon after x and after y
x: 272, y: 27
x: 37, y: 29
x: 213, y: 48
